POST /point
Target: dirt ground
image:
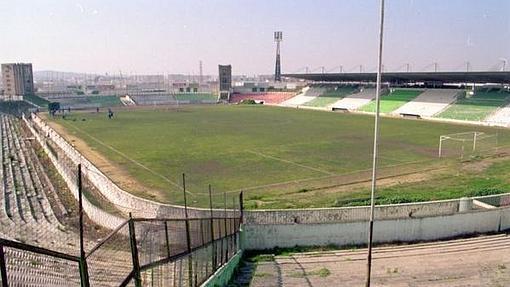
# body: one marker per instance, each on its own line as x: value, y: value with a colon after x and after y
x: 480, y: 261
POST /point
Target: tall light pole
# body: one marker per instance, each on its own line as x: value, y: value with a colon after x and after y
x: 278, y: 37
x: 376, y: 142
x: 504, y: 61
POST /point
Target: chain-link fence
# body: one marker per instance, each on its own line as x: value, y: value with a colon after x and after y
x: 182, y: 252
x: 43, y: 219
x: 140, y: 252
x: 27, y: 265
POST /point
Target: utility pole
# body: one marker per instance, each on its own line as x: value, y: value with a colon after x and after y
x: 375, y: 150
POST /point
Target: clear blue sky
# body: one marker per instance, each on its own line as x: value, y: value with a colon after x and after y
x: 171, y: 36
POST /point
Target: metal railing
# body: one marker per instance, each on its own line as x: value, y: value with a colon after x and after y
x: 140, y: 252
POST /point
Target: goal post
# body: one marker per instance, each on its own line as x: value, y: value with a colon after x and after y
x: 466, y: 144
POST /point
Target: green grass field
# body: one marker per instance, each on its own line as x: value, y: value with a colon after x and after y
x: 266, y: 150
x: 330, y: 96
x: 477, y: 107
x: 392, y: 101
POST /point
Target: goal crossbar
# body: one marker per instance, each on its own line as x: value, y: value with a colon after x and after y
x: 465, y: 137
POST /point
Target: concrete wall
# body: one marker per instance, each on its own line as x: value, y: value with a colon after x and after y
x: 495, y: 200
x: 267, y: 236
x: 223, y: 275
x: 96, y: 214
x: 350, y: 214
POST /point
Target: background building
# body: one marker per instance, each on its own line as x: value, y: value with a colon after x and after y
x: 17, y: 81
x: 225, y: 81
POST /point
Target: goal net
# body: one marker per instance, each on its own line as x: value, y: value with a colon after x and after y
x: 467, y: 144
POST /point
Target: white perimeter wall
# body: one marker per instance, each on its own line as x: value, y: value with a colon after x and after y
x: 267, y: 236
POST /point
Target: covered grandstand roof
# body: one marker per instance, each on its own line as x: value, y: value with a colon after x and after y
x: 407, y: 77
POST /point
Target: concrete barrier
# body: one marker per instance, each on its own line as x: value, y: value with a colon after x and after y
x: 351, y: 214
x: 224, y: 274
x: 268, y: 236
x: 96, y: 214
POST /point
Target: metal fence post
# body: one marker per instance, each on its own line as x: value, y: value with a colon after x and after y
x: 3, y: 268
x: 225, y: 220
x: 134, y: 252
x: 188, y: 237
x: 167, y: 240
x: 202, y: 232
x: 233, y: 227
x: 84, y: 273
x: 241, y: 208
x: 214, y: 254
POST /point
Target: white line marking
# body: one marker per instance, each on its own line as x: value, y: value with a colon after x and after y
x: 128, y: 158
x: 290, y: 162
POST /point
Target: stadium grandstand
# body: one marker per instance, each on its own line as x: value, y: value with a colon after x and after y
x: 306, y: 95
x: 477, y: 97
x: 478, y: 105
x: 429, y: 103
x: 500, y: 117
x: 36, y: 100
x: 356, y: 100
x: 153, y: 99
x: 196, y: 98
x: 33, y: 212
x: 331, y: 94
x: 267, y: 98
x: 392, y: 101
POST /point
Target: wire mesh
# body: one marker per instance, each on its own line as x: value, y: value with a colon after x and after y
x: 159, y: 276
x: 111, y: 263
x: 26, y: 268
x: 163, y: 251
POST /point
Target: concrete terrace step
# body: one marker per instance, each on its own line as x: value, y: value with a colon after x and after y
x: 355, y: 101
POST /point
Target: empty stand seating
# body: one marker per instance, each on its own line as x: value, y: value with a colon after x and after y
x: 272, y: 98
x: 429, y: 103
x: 307, y: 94
x: 500, y: 117
x: 154, y: 99
x: 198, y: 98
x: 478, y: 106
x: 354, y: 101
x: 392, y: 101
x: 331, y: 95
x: 86, y: 102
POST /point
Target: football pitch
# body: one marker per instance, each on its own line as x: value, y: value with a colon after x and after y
x: 274, y: 154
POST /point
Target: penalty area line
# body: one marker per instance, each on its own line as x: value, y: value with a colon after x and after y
x: 290, y: 162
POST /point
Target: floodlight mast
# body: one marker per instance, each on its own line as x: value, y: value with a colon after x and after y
x: 376, y: 139
x: 278, y: 37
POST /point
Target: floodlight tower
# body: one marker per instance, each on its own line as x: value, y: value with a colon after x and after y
x: 278, y: 37
x: 504, y: 62
x: 201, y: 76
